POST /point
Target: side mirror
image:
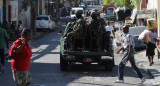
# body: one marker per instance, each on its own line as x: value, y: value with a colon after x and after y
x: 60, y: 32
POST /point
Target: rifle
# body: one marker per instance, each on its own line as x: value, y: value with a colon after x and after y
x: 69, y: 28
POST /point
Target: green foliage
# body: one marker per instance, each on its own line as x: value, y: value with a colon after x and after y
x: 27, y: 3
x: 118, y: 3
x: 107, y: 2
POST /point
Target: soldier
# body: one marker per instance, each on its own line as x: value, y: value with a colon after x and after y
x: 77, y: 30
x: 96, y: 29
x: 106, y: 41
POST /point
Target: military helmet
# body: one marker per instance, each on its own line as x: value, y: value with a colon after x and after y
x: 94, y: 15
x: 79, y: 12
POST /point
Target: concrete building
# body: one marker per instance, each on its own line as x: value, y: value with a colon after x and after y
x: 155, y: 4
x: 5, y: 10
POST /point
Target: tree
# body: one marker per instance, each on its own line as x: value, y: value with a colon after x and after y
x: 33, y: 4
x: 107, y: 2
x: 127, y: 3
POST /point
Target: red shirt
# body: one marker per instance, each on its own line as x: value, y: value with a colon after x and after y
x: 21, y: 60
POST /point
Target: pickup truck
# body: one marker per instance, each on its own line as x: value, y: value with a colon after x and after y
x: 85, y: 50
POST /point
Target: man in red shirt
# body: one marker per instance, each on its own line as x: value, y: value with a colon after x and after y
x: 21, y: 53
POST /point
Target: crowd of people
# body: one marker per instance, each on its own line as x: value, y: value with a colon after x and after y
x: 12, y: 30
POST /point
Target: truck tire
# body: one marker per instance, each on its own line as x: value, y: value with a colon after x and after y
x: 63, y: 63
x: 108, y: 65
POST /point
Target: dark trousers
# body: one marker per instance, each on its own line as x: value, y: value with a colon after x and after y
x: 2, y: 56
x: 122, y: 66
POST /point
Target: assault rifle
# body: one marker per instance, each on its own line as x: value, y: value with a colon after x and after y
x: 70, y: 28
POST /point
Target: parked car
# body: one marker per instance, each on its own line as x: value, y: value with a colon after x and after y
x: 45, y: 22
x: 110, y: 12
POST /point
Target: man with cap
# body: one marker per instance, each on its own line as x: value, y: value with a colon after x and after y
x: 128, y: 55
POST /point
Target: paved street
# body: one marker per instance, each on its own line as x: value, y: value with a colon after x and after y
x: 45, y: 69
x: 45, y: 65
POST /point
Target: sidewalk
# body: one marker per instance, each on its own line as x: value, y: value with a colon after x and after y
x: 154, y: 70
x: 143, y: 63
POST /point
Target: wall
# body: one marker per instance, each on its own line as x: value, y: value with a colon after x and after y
x: 144, y: 4
x: 26, y: 18
x: 158, y: 17
x: 7, y: 9
x: 40, y: 7
x: 152, y: 4
x: 14, y: 11
x: 155, y: 4
x: 1, y: 11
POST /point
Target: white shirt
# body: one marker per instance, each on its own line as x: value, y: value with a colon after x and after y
x: 110, y: 28
x: 128, y: 40
x: 152, y: 37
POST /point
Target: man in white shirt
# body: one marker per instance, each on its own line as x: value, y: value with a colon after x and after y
x: 128, y: 47
x: 111, y: 29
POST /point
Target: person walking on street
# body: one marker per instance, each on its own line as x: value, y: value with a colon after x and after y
x: 111, y: 29
x: 21, y: 53
x: 3, y: 41
x: 128, y: 48
x: 150, y: 52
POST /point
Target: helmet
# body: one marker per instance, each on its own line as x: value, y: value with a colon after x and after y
x: 78, y: 12
x: 94, y: 15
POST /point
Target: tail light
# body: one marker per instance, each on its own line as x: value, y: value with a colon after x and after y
x: 49, y: 22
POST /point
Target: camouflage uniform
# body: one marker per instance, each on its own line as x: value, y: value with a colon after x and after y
x: 95, y: 26
x: 77, y: 31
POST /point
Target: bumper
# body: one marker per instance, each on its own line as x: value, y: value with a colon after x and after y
x: 87, y: 59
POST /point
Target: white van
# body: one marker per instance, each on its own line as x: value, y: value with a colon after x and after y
x: 72, y: 13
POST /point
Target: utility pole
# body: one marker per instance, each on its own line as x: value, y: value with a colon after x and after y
x: 48, y: 7
x: 57, y: 16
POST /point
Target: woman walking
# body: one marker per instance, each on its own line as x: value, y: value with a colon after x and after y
x: 21, y: 53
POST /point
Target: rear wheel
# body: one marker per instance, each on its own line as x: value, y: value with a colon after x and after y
x: 63, y: 63
x: 108, y: 65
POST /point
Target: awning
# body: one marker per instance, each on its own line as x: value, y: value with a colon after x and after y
x: 143, y: 14
x: 146, y: 14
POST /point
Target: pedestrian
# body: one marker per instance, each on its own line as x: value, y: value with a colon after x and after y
x: 120, y: 26
x: 128, y: 48
x: 150, y: 51
x: 21, y: 53
x: 111, y: 29
x: 3, y: 42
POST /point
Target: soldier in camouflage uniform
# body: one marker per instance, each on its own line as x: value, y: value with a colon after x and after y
x: 77, y: 29
x: 105, y: 35
x: 96, y: 29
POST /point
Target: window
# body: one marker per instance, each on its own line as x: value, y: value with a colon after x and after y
x: 42, y: 18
